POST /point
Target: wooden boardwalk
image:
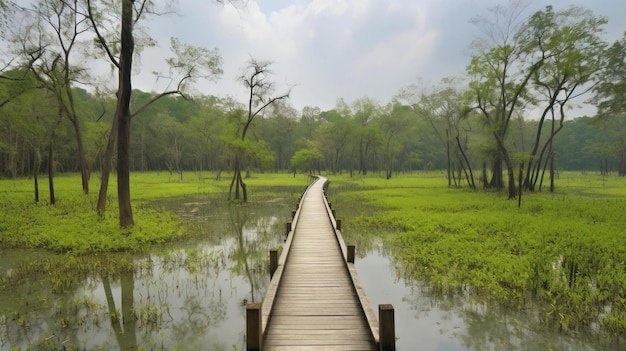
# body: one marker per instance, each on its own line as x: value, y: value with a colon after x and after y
x: 315, y: 300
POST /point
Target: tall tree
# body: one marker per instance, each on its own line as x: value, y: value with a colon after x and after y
x: 394, y: 122
x: 610, y: 95
x: 188, y: 64
x: 442, y: 106
x: 260, y: 92
x: 500, y: 72
x: 570, y: 45
x: 49, y: 46
x: 332, y: 138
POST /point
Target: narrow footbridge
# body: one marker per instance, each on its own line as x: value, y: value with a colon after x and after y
x: 315, y: 300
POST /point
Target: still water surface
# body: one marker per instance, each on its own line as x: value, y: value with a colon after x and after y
x: 191, y: 295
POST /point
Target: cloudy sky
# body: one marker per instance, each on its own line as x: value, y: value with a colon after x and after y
x: 330, y: 49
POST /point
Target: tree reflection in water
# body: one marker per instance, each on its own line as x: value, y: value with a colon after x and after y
x: 187, y: 296
x: 254, y: 238
x: 124, y: 327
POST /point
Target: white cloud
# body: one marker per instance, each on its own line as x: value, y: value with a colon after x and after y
x: 329, y: 48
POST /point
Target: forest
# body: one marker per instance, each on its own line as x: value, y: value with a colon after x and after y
x: 504, y: 125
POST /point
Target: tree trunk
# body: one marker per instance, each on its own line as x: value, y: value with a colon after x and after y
x: 512, y: 188
x: 51, y: 169
x: 235, y: 181
x: 122, y: 114
x: 106, y: 168
x: 496, y: 178
x: 521, y: 176
x: 469, y: 166
x: 82, y: 161
x: 552, y: 159
x: 36, y: 166
x: 448, y: 155
x: 551, y: 171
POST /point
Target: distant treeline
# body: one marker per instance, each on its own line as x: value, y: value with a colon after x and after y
x: 176, y: 135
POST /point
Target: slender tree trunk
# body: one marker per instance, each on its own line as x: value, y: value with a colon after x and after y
x: 82, y: 160
x: 543, y: 172
x: 551, y: 171
x: 512, y: 188
x: 123, y: 115
x: 36, y: 166
x: 469, y: 166
x: 448, y: 155
x: 106, y: 168
x: 51, y: 169
x: 552, y: 158
x: 244, y: 190
x: 235, y: 181
x: 521, y: 176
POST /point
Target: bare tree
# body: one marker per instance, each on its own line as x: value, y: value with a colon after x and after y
x: 260, y: 96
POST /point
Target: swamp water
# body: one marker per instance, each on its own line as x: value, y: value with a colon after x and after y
x: 191, y: 295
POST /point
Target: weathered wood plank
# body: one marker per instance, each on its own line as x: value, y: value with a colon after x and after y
x: 319, y: 348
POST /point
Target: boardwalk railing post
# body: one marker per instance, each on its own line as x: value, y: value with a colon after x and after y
x: 351, y: 251
x: 287, y: 228
x: 386, y: 327
x: 273, y: 262
x: 293, y: 213
x: 338, y: 221
x: 254, y: 334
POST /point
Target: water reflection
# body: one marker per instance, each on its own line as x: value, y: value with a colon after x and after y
x: 453, y: 323
x: 188, y: 296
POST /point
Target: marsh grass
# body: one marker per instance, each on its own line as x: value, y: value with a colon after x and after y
x: 73, y: 226
x: 564, y: 252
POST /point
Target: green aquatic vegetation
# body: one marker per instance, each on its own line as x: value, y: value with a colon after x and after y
x: 562, y: 251
x: 73, y: 226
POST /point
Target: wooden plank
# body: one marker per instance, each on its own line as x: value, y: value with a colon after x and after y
x: 319, y: 348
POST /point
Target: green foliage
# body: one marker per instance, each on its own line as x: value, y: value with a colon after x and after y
x: 306, y: 160
x: 562, y: 251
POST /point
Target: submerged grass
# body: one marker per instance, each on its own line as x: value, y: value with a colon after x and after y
x: 73, y: 226
x: 564, y: 251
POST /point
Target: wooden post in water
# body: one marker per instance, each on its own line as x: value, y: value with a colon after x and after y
x: 254, y: 334
x: 351, y: 251
x: 386, y: 327
x: 273, y: 262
